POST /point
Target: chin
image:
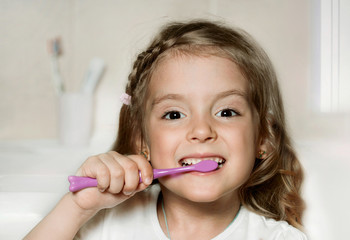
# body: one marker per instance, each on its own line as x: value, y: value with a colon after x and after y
x: 206, y: 195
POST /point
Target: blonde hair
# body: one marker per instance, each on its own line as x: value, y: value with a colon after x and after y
x: 273, y: 189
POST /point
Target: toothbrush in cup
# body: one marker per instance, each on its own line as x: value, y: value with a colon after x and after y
x: 55, y: 50
x: 78, y: 183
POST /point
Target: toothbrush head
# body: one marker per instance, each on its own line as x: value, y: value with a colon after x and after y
x: 205, y: 166
x: 54, y: 46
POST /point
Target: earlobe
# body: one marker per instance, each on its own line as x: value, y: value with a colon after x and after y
x: 262, y: 149
x: 142, y: 148
x: 145, y: 153
x: 261, y: 154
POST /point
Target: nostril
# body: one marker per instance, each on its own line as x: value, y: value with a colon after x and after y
x: 202, y: 139
x: 201, y: 130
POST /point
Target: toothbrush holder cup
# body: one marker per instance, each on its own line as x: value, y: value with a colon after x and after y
x: 75, y: 118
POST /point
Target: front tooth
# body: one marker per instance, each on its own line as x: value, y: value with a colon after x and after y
x: 192, y: 161
x: 218, y: 160
x: 189, y: 161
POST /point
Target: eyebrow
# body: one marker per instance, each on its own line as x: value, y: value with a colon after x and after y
x: 236, y: 92
x: 167, y: 97
x: 224, y: 94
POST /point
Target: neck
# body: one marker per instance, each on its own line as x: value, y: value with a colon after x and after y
x: 193, y: 220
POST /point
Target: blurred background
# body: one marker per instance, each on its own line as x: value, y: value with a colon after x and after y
x: 305, y: 39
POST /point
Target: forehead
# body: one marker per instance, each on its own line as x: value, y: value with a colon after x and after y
x: 196, y: 75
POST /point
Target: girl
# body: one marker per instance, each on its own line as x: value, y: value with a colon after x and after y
x: 199, y: 91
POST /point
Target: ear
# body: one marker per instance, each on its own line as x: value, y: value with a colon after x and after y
x: 143, y: 148
x: 262, y: 149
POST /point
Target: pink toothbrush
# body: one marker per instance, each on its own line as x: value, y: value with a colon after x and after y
x: 78, y: 183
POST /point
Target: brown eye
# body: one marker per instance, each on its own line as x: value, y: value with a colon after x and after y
x: 172, y: 115
x: 227, y: 113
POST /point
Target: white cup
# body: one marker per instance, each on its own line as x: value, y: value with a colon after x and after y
x: 75, y: 118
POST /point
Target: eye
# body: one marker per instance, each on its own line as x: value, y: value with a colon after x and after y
x: 172, y: 115
x: 226, y: 113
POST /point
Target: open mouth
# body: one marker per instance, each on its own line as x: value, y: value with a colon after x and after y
x: 189, y: 161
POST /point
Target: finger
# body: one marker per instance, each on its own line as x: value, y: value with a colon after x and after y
x: 93, y: 167
x: 131, y: 177
x: 145, y: 168
x: 117, y: 172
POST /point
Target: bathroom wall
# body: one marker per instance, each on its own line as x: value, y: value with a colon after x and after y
x: 112, y: 30
x: 115, y: 31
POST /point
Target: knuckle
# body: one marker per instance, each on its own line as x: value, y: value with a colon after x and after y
x: 102, y: 170
x: 90, y: 166
x: 140, y: 158
x: 113, y: 153
x: 92, y: 159
x: 118, y: 173
x: 131, y: 166
x: 115, y: 189
x: 103, y: 156
x: 116, y: 186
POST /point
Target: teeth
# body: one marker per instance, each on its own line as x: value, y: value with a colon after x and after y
x: 190, y: 161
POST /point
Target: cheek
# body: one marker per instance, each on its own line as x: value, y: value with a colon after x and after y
x: 162, y: 143
x: 161, y: 140
x: 242, y: 140
x: 241, y: 144
x: 160, y: 135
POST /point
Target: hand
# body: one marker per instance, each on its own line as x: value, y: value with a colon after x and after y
x: 118, y: 179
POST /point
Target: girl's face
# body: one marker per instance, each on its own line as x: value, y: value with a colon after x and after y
x: 198, y: 109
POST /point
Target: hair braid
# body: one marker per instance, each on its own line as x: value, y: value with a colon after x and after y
x: 131, y: 127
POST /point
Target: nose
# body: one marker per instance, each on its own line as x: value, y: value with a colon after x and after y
x: 201, y: 130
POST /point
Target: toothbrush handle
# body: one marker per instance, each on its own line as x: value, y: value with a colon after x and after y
x: 158, y: 173
x: 78, y: 183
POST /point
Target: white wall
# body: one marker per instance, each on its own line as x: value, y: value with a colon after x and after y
x: 115, y: 31
x: 112, y: 30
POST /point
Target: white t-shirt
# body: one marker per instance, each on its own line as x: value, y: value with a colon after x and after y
x: 137, y: 218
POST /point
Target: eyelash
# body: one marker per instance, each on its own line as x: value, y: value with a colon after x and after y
x: 166, y: 115
x: 235, y: 113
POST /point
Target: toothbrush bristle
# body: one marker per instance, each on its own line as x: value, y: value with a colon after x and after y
x: 206, y: 166
x: 54, y: 46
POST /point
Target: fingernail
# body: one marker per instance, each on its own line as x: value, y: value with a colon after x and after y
x: 148, y: 180
x: 127, y: 193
